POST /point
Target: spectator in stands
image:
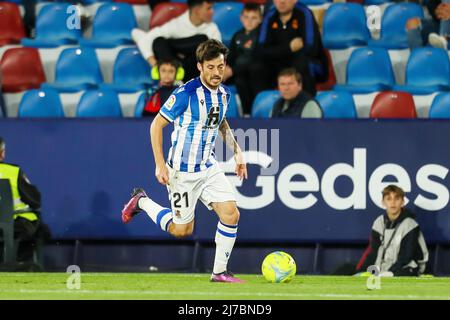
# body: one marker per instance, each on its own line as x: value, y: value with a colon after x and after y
x: 241, y: 53
x: 294, y: 102
x: 179, y: 38
x: 289, y: 37
x: 166, y: 72
x: 28, y: 226
x: 435, y: 31
x: 397, y: 246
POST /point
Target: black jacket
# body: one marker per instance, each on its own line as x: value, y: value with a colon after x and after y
x: 410, y: 247
x: 274, y: 38
x: 295, y: 106
x: 432, y: 5
x: 240, y: 56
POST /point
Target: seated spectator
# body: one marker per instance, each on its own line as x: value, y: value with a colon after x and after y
x: 166, y: 72
x: 294, y: 102
x: 435, y: 31
x: 28, y: 226
x: 397, y: 246
x: 241, y: 53
x: 179, y: 37
x: 289, y: 37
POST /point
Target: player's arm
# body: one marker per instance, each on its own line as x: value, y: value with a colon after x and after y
x: 156, y: 138
x: 228, y: 138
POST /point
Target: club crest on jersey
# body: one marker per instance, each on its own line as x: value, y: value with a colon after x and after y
x: 224, y: 99
x: 170, y: 102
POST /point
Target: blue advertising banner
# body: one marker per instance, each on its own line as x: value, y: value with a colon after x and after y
x: 309, y: 180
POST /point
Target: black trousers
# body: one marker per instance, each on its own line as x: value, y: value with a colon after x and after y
x: 263, y: 74
x: 182, y: 50
x: 242, y: 81
x: 28, y: 233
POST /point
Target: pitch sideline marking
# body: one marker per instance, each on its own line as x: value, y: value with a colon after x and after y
x: 147, y: 292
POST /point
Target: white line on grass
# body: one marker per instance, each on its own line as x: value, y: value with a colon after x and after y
x: 242, y: 294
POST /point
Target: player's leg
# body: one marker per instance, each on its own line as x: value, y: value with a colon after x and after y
x: 225, y: 239
x: 161, y: 216
x: 219, y: 196
x: 177, y: 220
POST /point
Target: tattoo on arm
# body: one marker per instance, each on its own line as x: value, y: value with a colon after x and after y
x: 227, y: 136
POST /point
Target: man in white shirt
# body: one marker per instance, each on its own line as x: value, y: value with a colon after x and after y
x: 179, y: 37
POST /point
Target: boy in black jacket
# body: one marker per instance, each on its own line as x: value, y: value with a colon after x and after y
x: 397, y: 246
x: 241, y: 53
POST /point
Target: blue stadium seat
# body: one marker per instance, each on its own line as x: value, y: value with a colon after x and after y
x: 263, y: 103
x: 112, y: 26
x: 76, y: 69
x: 233, y: 108
x: 51, y: 27
x: 131, y: 72
x: 368, y: 70
x: 393, y: 33
x: 99, y: 103
x: 344, y: 26
x: 140, y: 104
x: 41, y: 103
x: 227, y: 17
x: 427, y: 71
x: 337, y: 104
x: 440, y: 107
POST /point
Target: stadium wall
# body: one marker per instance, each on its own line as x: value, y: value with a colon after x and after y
x: 314, y: 187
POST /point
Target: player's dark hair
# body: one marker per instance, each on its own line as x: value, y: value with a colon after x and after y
x: 252, y: 7
x: 291, y: 72
x: 210, y: 49
x: 2, y: 143
x: 393, y: 189
x: 194, y: 3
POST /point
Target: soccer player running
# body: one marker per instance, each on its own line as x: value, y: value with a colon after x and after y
x: 191, y: 172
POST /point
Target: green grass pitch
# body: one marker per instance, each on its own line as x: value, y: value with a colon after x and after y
x: 182, y: 286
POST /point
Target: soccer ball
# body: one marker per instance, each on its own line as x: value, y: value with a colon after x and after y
x: 278, y: 267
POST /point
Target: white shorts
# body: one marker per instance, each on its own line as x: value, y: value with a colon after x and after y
x: 186, y: 188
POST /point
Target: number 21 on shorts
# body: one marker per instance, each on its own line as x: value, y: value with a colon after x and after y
x: 180, y: 199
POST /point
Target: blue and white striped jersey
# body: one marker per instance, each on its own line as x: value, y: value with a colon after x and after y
x: 197, y: 112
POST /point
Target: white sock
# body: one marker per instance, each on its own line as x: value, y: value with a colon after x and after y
x: 225, y: 238
x: 160, y: 215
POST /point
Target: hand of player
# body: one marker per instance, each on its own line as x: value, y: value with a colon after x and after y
x: 241, y: 167
x: 162, y: 174
x: 296, y: 44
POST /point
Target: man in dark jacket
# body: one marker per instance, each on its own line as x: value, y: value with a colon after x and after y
x: 397, y: 246
x: 289, y: 37
x: 294, y: 102
x: 27, y: 203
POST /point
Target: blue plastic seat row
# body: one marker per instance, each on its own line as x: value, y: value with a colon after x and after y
x: 370, y: 70
x: 42, y: 103
x: 59, y: 24
x: 346, y: 25
x: 79, y: 69
x: 340, y: 105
